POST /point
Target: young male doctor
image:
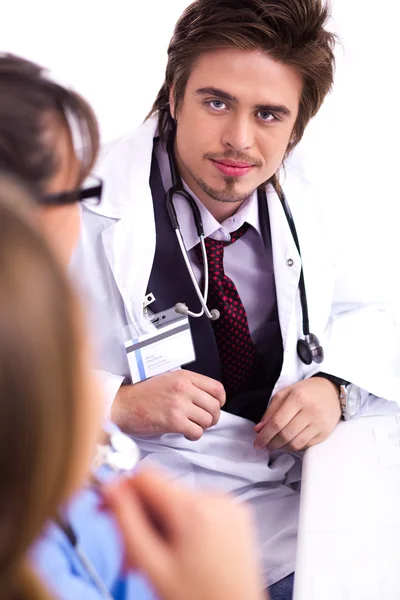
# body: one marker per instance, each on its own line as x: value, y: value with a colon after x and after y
x: 243, y: 80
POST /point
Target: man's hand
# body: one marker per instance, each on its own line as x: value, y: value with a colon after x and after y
x: 299, y: 416
x: 177, y: 402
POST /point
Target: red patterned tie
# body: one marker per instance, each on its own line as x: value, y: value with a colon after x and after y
x: 237, y: 352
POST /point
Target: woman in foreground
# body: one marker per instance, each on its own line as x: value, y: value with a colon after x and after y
x: 189, y: 545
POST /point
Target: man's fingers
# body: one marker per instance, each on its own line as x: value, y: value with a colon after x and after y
x: 199, y: 416
x: 317, y: 439
x: 258, y: 427
x: 192, y: 431
x: 293, y: 430
x: 277, y: 422
x: 303, y: 440
x: 275, y: 404
x: 211, y: 386
x: 207, y: 403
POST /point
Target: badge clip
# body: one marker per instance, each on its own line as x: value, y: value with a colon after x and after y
x: 148, y: 299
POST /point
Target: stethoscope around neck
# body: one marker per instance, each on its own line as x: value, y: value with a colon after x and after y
x: 309, y: 348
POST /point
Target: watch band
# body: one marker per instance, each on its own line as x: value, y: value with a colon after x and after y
x: 335, y: 380
x: 343, y: 401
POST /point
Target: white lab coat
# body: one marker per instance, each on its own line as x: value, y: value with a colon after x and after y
x: 113, y: 265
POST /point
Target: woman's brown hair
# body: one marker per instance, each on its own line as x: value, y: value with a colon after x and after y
x: 38, y: 393
x: 290, y: 31
x: 28, y: 96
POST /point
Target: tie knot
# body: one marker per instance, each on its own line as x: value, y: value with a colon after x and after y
x: 216, y: 247
x: 235, y: 235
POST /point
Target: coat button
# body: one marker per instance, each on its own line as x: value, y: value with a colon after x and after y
x: 290, y: 262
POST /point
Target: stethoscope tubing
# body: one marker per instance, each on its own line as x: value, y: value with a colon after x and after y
x: 177, y: 188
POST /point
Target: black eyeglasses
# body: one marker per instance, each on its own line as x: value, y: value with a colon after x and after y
x: 91, y: 191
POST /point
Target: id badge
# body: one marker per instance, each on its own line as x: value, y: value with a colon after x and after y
x: 168, y: 347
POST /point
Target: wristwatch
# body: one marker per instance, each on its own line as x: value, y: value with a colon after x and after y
x: 350, y: 400
x: 349, y: 395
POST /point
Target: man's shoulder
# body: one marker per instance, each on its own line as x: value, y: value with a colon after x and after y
x: 293, y: 173
x: 295, y: 183
x: 124, y: 166
x: 134, y: 144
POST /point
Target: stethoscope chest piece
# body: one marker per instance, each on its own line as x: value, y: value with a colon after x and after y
x: 310, y: 350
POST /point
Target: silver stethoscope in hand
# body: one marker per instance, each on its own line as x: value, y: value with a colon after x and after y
x: 309, y: 349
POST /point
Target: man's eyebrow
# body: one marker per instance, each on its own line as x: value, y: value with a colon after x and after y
x: 212, y: 91
x: 272, y: 108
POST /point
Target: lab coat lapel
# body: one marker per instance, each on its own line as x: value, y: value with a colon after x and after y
x: 170, y: 283
x: 116, y: 256
x: 129, y: 243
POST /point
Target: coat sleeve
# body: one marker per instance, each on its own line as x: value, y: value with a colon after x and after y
x: 110, y: 384
x: 362, y: 337
x: 91, y: 274
x: 362, y: 348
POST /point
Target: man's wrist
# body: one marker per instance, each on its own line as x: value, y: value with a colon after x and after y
x: 341, y: 385
x: 337, y: 381
x: 350, y: 395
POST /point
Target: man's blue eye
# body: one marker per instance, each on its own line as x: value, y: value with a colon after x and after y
x: 217, y: 104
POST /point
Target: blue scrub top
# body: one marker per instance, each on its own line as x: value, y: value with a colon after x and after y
x: 56, y: 561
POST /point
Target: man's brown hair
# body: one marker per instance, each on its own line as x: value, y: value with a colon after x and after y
x: 289, y: 31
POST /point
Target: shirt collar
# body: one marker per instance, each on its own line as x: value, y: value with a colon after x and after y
x: 247, y: 212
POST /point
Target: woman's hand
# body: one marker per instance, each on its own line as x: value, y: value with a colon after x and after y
x: 191, y: 545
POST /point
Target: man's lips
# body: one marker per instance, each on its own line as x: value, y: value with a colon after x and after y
x: 234, y: 163
x: 233, y: 168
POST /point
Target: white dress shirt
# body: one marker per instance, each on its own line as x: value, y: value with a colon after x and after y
x: 245, y: 261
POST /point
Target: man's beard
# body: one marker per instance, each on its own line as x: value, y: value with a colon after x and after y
x: 227, y: 194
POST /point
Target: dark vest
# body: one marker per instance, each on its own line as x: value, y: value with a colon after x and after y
x: 170, y: 283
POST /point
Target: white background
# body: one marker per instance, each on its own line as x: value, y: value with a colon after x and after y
x: 114, y: 53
